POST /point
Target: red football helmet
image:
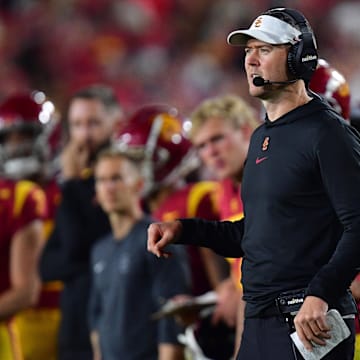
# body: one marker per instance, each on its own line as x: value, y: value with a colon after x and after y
x: 155, y: 135
x: 29, y: 135
x: 332, y: 85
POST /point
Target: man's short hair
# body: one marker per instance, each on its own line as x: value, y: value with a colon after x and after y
x: 230, y: 108
x: 102, y: 93
x: 113, y: 152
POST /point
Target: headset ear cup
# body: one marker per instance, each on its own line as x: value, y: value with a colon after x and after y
x: 291, y: 60
x: 308, y: 56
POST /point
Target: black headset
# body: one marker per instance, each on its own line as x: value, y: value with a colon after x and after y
x: 303, y: 57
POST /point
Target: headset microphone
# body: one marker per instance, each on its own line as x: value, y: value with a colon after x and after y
x: 259, y: 81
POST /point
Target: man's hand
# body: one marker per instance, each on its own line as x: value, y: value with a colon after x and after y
x: 162, y: 234
x: 74, y: 159
x: 310, y: 322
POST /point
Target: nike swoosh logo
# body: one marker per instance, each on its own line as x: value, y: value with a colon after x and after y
x: 259, y: 160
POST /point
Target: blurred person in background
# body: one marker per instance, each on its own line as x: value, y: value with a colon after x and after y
x: 22, y: 210
x: 220, y: 132
x: 331, y: 84
x: 155, y: 135
x: 128, y: 283
x: 92, y: 117
x: 29, y: 140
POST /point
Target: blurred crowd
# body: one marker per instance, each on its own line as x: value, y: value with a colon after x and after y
x: 152, y: 50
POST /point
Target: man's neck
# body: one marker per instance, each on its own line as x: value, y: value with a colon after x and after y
x: 121, y: 224
x: 286, y: 100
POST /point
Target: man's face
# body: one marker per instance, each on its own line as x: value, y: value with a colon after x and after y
x: 221, y: 147
x: 117, y: 185
x: 267, y: 61
x: 18, y: 144
x: 90, y: 125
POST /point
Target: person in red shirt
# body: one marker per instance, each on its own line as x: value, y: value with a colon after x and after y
x: 22, y: 210
x: 331, y: 84
x: 220, y: 131
x: 29, y: 137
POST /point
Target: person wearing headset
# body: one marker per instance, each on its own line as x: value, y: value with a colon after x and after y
x: 299, y: 236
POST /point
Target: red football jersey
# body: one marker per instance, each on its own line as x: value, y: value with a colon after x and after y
x: 50, y: 292
x: 194, y: 200
x: 21, y: 202
x: 231, y: 208
x: 44, y: 318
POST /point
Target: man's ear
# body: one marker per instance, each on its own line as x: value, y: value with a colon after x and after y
x: 247, y: 131
x: 139, y: 185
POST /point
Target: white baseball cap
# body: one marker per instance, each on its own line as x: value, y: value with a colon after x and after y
x: 268, y: 29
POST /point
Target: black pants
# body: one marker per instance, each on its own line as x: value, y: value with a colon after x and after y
x: 268, y: 339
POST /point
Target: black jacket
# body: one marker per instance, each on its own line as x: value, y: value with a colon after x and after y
x: 301, y: 199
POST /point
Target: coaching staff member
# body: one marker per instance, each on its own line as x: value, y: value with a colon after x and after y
x: 301, y: 197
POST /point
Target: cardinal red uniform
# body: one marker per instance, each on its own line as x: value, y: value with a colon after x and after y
x: 231, y: 208
x: 21, y: 202
x: 194, y: 200
x: 42, y: 321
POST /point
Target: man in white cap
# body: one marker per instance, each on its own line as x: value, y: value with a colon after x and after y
x: 300, y: 235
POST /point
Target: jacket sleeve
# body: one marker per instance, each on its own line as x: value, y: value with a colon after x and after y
x: 224, y: 237
x: 338, y: 154
x: 77, y: 227
x: 72, y: 222
x: 81, y: 222
x: 53, y: 264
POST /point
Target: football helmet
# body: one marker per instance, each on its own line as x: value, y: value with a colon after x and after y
x: 330, y: 84
x: 29, y: 135
x: 155, y: 136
